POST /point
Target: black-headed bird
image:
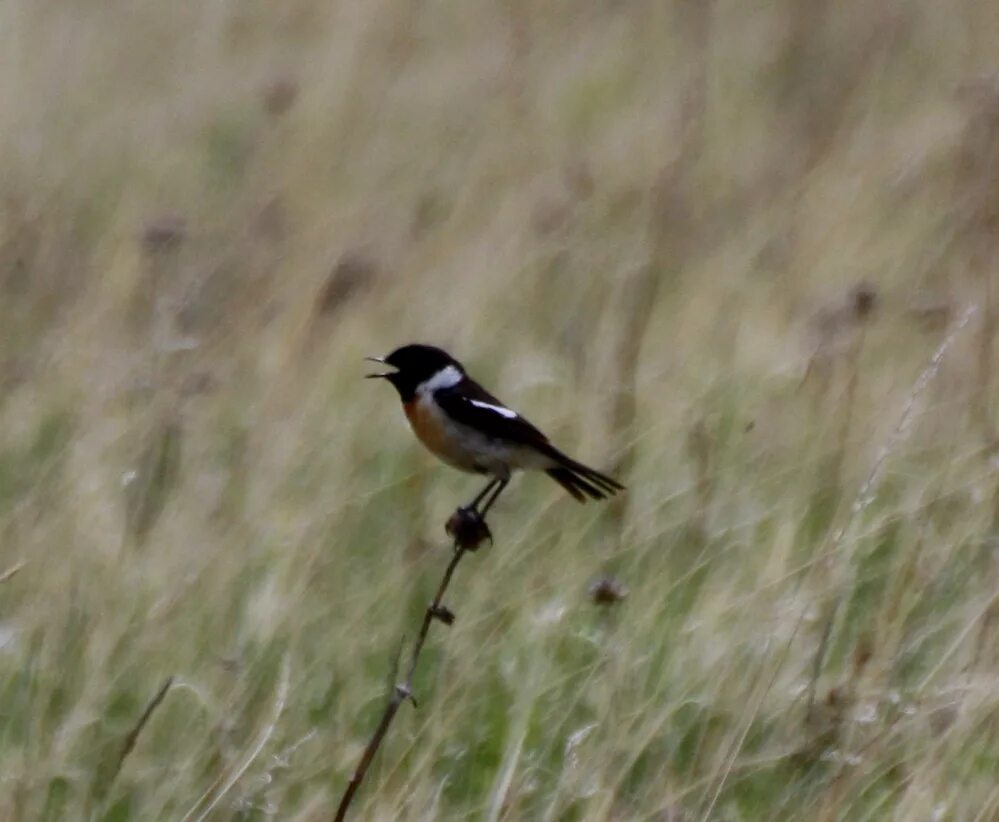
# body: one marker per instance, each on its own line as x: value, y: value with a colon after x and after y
x: 469, y: 429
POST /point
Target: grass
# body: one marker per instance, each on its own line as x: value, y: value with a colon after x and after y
x: 210, y: 212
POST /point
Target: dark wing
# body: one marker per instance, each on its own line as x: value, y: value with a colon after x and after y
x: 470, y: 404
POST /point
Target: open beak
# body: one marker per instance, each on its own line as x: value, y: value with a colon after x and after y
x: 381, y: 375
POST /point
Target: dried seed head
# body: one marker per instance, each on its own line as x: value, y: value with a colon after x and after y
x: 550, y: 216
x: 165, y: 233
x: 837, y: 697
x: 443, y: 613
x: 863, y: 300
x: 862, y: 655
x: 199, y: 383
x: 279, y: 95
x: 468, y: 529
x: 353, y: 272
x: 607, y: 591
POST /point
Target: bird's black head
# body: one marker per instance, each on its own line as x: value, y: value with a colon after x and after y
x: 416, y: 364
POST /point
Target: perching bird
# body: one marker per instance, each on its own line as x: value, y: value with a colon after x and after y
x: 469, y: 429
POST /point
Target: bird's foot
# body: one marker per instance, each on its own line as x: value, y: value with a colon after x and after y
x: 468, y: 529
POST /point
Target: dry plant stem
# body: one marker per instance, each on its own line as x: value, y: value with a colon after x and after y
x: 865, y: 496
x: 133, y: 735
x: 671, y: 237
x: 403, y: 690
x: 11, y: 572
x: 215, y: 791
x: 986, y: 338
x: 989, y: 621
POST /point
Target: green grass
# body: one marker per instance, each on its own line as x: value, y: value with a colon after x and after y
x: 643, y: 226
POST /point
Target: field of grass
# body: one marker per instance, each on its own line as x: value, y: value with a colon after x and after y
x: 741, y: 255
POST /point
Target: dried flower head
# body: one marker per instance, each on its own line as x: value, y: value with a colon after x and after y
x: 279, y: 95
x: 164, y: 233
x: 353, y: 272
x: 468, y: 529
x: 607, y: 591
x: 863, y: 300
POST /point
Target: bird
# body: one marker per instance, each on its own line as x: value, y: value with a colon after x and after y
x: 469, y: 429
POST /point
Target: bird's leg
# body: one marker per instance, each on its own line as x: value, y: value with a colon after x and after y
x: 474, y: 504
x: 502, y: 483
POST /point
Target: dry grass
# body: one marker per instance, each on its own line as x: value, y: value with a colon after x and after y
x: 210, y: 211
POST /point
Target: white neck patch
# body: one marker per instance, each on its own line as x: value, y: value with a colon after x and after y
x: 447, y: 377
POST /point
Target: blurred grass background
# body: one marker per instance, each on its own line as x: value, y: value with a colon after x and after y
x: 711, y: 245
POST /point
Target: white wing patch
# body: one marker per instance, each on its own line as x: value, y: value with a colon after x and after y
x: 499, y: 409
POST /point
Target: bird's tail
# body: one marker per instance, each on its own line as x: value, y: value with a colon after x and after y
x: 581, y: 481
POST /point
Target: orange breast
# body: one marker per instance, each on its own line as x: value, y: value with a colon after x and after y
x: 426, y: 425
